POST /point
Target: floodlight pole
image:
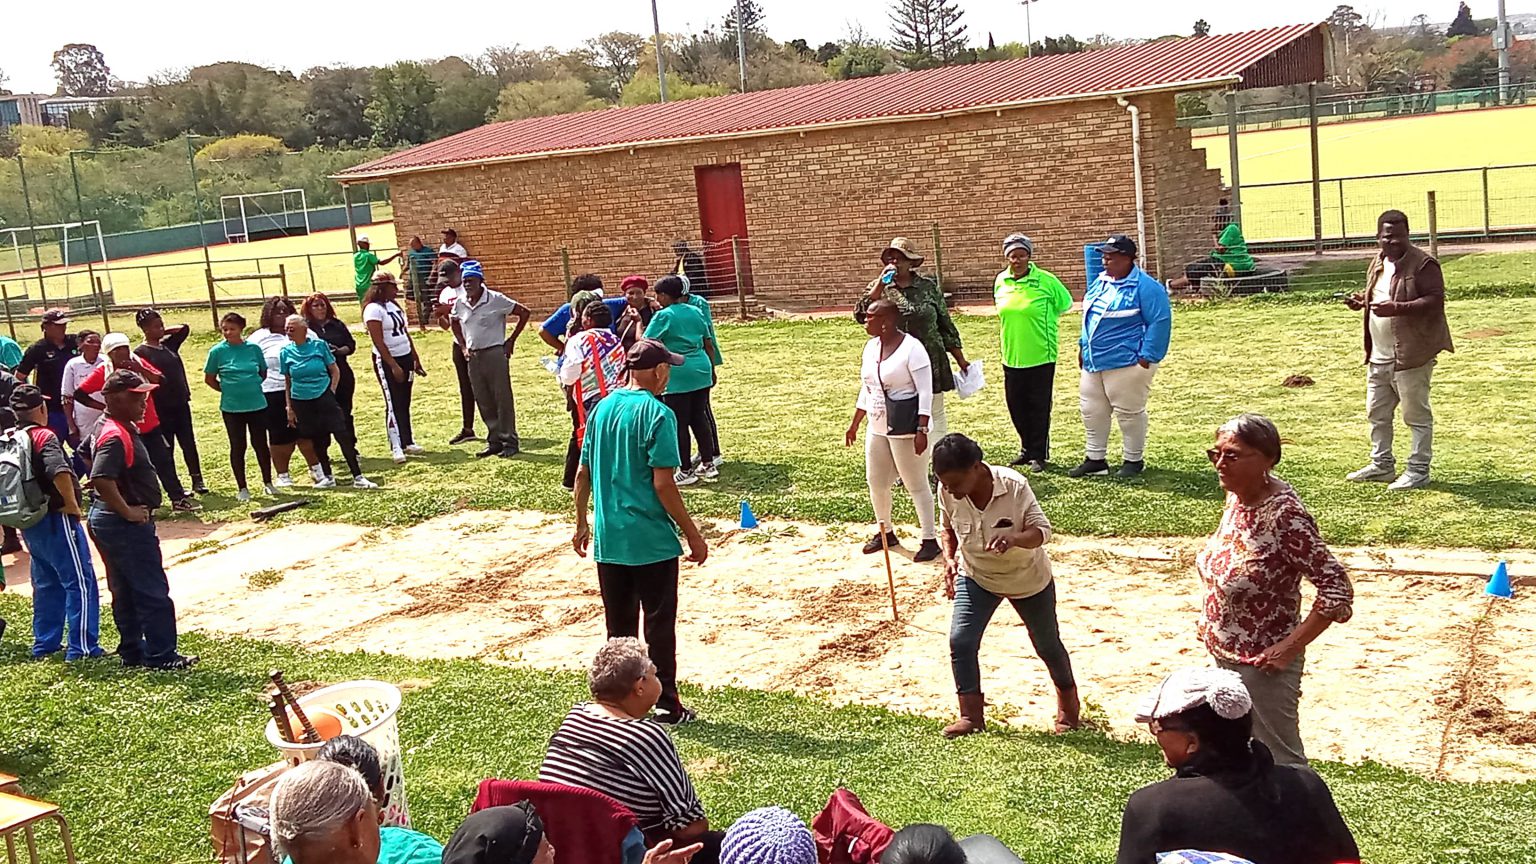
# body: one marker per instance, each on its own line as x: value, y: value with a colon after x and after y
x: 1029, y: 29
x: 1501, y: 42
x: 741, y: 46
x: 661, y: 66
x: 37, y: 259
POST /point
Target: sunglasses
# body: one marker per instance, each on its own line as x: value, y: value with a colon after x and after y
x: 1217, y: 455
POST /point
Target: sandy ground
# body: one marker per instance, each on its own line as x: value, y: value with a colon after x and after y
x: 797, y: 607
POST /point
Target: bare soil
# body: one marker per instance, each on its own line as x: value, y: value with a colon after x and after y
x: 1430, y: 675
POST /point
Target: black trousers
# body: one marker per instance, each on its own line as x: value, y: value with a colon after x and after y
x: 176, y: 426
x: 693, y: 414
x: 346, y: 391
x: 158, y: 443
x: 1028, y: 392
x: 572, y: 449
x: 466, y: 392
x: 248, y: 426
x: 652, y: 589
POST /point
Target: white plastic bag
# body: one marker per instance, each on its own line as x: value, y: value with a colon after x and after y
x: 971, y: 380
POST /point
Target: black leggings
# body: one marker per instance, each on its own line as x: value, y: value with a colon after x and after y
x: 164, y: 459
x: 466, y: 393
x: 348, y: 446
x: 251, y: 425
x: 693, y: 413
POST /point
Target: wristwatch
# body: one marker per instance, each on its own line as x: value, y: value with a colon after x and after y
x: 923, y: 429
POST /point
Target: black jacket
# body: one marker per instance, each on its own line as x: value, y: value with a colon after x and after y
x: 1267, y: 813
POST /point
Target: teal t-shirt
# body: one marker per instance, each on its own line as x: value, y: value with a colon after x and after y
x: 702, y: 305
x: 239, y: 368
x: 307, y: 367
x: 404, y: 846
x: 10, y: 352
x: 683, y: 330
x: 629, y: 433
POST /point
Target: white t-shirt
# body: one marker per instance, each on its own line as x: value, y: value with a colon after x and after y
x: 906, y: 373
x: 271, y: 345
x: 453, y: 249
x: 449, y: 294
x: 397, y: 334
x: 75, y: 371
x: 1383, y: 344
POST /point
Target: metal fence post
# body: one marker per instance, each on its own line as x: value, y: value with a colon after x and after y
x: 101, y: 302
x: 1343, y: 222
x: 90, y: 271
x: 282, y: 277
x: 1434, y: 227
x: 565, y: 267
x: 37, y: 259
x: 1487, y: 212
x: 314, y: 287
x: 741, y: 287
x: 213, y: 300
x: 938, y: 258
x: 149, y: 278
x: 10, y: 322
x: 1317, y: 184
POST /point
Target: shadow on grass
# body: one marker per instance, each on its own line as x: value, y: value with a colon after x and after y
x: 1493, y: 494
x: 781, y: 742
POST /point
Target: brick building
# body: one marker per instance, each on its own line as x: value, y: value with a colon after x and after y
x: 813, y: 181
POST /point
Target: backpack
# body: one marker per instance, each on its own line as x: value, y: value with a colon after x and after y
x: 23, y: 503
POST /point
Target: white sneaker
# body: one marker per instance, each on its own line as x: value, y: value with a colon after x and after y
x: 718, y: 462
x: 316, y: 473
x: 363, y: 483
x: 708, y: 471
x: 326, y: 483
x: 271, y: 492
x: 243, y: 495
x: 415, y: 450
x: 1371, y: 473
x: 1409, y: 480
x: 399, y: 457
x: 283, y: 482
x: 685, y: 478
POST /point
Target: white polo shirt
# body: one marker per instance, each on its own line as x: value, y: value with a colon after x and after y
x: 1017, y: 573
x: 484, y: 323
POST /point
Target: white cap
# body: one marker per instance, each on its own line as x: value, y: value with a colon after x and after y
x: 114, y: 340
x: 1222, y: 689
x: 362, y: 238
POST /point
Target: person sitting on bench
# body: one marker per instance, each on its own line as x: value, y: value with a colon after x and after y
x: 1229, y: 258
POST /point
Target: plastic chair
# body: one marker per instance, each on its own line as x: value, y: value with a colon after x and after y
x: 21, y: 814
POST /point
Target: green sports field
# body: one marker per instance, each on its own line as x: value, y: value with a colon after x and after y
x: 1436, y: 142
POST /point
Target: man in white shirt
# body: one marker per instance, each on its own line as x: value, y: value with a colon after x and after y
x: 451, y: 288
x: 452, y: 246
x: 993, y: 531
x: 479, y: 322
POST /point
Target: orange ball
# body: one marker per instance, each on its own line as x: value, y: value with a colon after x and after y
x: 325, y: 722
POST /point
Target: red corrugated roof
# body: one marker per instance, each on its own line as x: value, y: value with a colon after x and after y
x: 1209, y: 61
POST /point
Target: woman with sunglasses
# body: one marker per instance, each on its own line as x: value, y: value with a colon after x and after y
x: 1227, y: 794
x: 1252, y: 569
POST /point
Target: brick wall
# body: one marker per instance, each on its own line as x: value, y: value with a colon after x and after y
x: 821, y: 205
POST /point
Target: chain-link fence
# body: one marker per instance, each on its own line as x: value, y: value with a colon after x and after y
x: 1365, y: 106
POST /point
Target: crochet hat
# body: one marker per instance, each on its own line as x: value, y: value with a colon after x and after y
x: 1018, y: 241
x: 471, y: 268
x: 771, y: 835
x: 1222, y: 689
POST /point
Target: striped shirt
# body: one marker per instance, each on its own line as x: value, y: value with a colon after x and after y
x: 633, y: 762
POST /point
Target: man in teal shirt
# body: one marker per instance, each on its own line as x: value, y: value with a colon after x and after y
x: 1029, y: 303
x: 629, y: 457
x: 364, y: 263
x: 10, y: 353
x: 422, y: 260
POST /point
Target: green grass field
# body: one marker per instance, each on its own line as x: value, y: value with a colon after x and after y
x: 1433, y: 142
x: 786, y: 393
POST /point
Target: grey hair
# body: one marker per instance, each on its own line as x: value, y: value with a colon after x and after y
x: 296, y: 319
x: 618, y: 665
x: 313, y: 800
x: 1257, y: 431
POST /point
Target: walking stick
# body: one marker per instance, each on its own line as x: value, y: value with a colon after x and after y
x: 310, y: 735
x: 890, y: 577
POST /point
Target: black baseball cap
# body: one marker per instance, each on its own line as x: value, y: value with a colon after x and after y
x: 648, y: 354
x: 126, y: 380
x: 55, y: 316
x: 1118, y: 244
x: 145, y: 315
x: 26, y: 397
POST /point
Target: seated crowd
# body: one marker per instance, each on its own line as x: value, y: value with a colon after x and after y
x: 1228, y: 800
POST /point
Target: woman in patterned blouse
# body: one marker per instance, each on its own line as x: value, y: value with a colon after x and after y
x: 1252, y: 568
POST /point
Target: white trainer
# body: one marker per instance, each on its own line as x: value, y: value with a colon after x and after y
x: 243, y: 495
x: 363, y: 483
x: 415, y: 450
x: 685, y: 478
x: 326, y: 483
x: 399, y: 457
x: 283, y: 482
x: 1371, y: 473
x: 271, y: 492
x: 1409, y: 480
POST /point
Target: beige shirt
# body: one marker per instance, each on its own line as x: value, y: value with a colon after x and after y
x: 1017, y: 573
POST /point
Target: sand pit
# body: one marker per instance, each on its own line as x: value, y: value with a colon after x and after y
x: 797, y: 607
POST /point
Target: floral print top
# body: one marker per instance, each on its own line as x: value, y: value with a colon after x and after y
x: 1252, y: 569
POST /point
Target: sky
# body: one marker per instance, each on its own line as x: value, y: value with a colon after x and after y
x: 185, y: 33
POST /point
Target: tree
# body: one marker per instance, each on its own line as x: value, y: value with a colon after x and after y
x: 799, y: 46
x: 3, y: 79
x: 1475, y: 71
x: 927, y: 33
x: 1463, y: 25
x: 544, y: 98
x: 82, y: 71
x: 1345, y: 19
x: 337, y: 99
x: 511, y: 64
x: 466, y: 95
x: 751, y: 20
x: 617, y: 54
x: 1202, y: 27
x: 1191, y: 105
x: 644, y: 89
x: 860, y: 61
x: 827, y: 51
x: 400, y: 108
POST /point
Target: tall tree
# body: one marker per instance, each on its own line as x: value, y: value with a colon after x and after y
x: 617, y: 54
x: 466, y: 95
x: 543, y: 98
x: 337, y: 99
x: 927, y: 33
x: 1463, y: 25
x: 1202, y: 27
x: 752, y: 16
x: 82, y: 71
x: 949, y: 42
x: 400, y: 108
x: 512, y: 64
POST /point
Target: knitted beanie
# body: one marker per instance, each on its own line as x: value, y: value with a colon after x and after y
x: 771, y: 835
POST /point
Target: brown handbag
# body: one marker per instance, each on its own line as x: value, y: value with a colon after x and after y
x: 238, y: 819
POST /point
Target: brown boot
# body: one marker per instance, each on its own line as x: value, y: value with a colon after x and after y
x: 972, y: 716
x: 1068, y: 710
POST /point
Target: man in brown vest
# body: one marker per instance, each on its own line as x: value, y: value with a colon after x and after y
x: 1405, y: 329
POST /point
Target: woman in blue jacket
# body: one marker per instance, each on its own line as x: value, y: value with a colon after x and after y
x: 1126, y: 324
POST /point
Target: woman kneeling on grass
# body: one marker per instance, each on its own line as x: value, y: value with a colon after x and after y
x: 1227, y: 794
x: 312, y: 375
x: 612, y: 746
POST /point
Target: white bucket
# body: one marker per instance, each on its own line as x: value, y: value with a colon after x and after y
x: 367, y: 710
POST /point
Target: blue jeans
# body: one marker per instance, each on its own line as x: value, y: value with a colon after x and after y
x: 141, y: 594
x: 66, y: 605
x: 974, y: 607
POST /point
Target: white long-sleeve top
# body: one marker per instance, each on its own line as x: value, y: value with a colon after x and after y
x: 904, y: 374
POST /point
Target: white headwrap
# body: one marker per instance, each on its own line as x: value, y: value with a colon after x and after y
x: 1222, y: 689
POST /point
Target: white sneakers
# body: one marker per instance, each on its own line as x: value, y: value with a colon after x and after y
x: 316, y: 473
x: 415, y: 450
x: 272, y: 492
x: 361, y: 482
x: 399, y: 457
x: 283, y: 482
x: 1374, y: 473
x: 1409, y: 480
x: 243, y: 495
x: 685, y: 478
x: 326, y: 483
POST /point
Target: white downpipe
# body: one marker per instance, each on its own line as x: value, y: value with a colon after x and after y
x: 1141, y: 198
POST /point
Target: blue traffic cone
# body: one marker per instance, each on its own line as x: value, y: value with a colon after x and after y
x: 1498, y: 583
x: 748, y: 521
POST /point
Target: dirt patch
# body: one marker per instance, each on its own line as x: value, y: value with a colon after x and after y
x: 804, y: 610
x: 1297, y: 381
x: 1485, y: 333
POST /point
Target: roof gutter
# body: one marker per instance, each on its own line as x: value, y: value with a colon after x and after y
x: 1198, y: 84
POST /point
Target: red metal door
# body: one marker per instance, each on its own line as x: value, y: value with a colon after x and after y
x: 722, y: 216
